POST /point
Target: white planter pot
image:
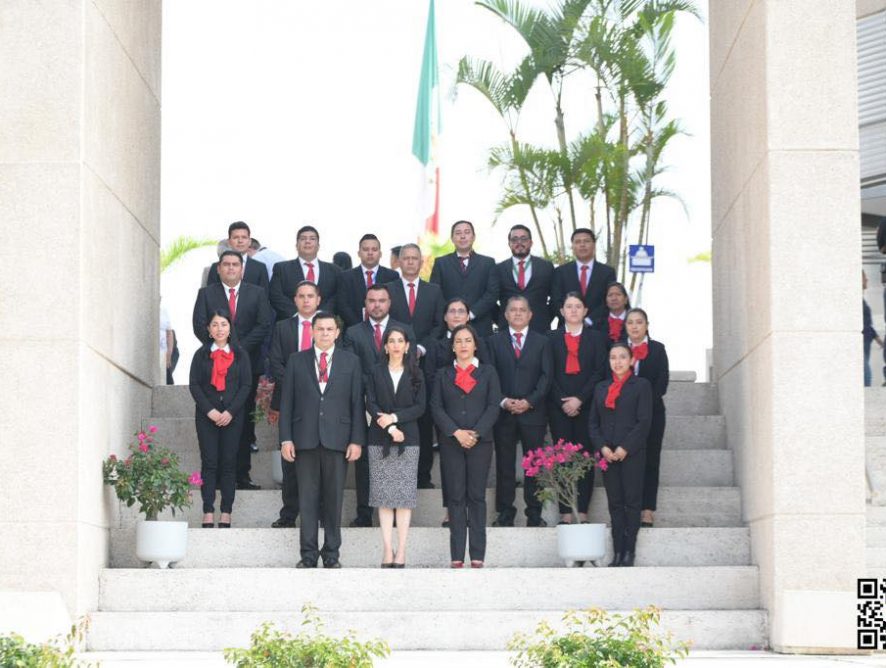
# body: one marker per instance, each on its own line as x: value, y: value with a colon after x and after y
x: 277, y: 468
x: 581, y: 542
x: 160, y: 541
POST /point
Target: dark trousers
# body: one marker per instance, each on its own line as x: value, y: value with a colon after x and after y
x: 440, y: 438
x: 361, y: 478
x: 289, y: 511
x: 247, y: 433
x: 624, y: 489
x: 218, y: 459
x: 321, y: 482
x: 574, y: 430
x: 426, y: 447
x: 507, y: 431
x: 467, y: 470
x: 653, y: 457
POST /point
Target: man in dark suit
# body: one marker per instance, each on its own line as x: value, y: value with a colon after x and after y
x: 324, y: 429
x: 527, y: 275
x: 239, y: 239
x: 583, y: 275
x: 306, y: 267
x: 291, y: 336
x: 523, y: 361
x: 419, y: 304
x: 470, y: 276
x: 354, y: 282
x: 251, y: 319
x: 365, y: 340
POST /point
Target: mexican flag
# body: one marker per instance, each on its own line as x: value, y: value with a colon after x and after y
x: 427, y: 129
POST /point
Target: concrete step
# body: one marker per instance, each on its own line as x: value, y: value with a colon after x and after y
x: 677, y: 507
x: 875, y: 557
x: 876, y: 516
x: 395, y: 591
x: 875, y: 411
x: 875, y: 536
x: 431, y: 629
x: 429, y: 548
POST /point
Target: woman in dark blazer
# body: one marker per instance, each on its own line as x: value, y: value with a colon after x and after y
x: 396, y: 399
x: 580, y: 362
x: 612, y: 323
x: 465, y: 404
x: 651, y: 363
x: 220, y: 380
x: 621, y: 413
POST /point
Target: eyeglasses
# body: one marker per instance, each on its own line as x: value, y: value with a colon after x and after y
x: 520, y: 240
x: 457, y: 311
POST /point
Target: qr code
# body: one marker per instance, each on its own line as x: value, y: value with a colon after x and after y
x: 871, y: 621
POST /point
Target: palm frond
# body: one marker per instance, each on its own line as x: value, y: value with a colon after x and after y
x: 179, y: 247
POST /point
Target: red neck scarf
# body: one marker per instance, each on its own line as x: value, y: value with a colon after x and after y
x: 221, y: 362
x: 464, y: 378
x: 572, y: 364
x: 614, y: 391
x: 615, y: 327
x: 640, y: 351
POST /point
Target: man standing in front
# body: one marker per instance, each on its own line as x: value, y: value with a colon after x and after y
x: 306, y: 267
x: 527, y: 275
x: 468, y: 275
x: 323, y: 425
x: 583, y: 275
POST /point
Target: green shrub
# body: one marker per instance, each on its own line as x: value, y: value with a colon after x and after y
x: 16, y: 652
x: 272, y: 648
x: 595, y: 639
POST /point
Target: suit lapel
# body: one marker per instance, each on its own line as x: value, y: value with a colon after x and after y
x: 311, y: 367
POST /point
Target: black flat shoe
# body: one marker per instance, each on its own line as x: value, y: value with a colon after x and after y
x: 647, y: 525
x: 224, y: 525
x: 396, y: 565
x: 627, y: 559
x: 387, y: 565
x: 361, y: 522
x: 208, y: 525
x: 445, y: 524
x: 616, y: 560
x: 536, y: 522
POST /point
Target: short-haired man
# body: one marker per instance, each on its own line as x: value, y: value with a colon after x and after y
x: 291, y: 336
x: 306, y: 267
x: 468, y: 275
x: 240, y: 240
x: 583, y: 275
x: 324, y: 430
x: 525, y: 368
x: 251, y: 321
x: 354, y: 282
x: 527, y: 275
x: 395, y: 258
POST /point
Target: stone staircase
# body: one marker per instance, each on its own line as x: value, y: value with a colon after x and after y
x: 695, y: 563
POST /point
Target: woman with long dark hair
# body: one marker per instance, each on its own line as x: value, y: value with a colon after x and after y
x: 220, y: 381
x: 612, y: 326
x: 396, y: 399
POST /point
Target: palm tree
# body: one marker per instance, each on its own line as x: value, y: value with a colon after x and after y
x: 179, y: 247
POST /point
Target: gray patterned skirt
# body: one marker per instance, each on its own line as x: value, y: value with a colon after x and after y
x: 393, y: 480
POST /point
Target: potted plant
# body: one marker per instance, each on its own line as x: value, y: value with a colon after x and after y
x: 151, y: 477
x: 557, y: 469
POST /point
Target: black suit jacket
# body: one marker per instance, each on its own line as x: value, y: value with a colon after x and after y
x: 566, y: 280
x: 285, y: 341
x: 537, y: 291
x: 408, y: 402
x: 351, y: 295
x: 478, y: 286
x: 252, y: 321
x: 628, y: 424
x: 289, y: 274
x: 601, y: 324
x: 427, y: 321
x: 360, y: 340
x: 238, y: 382
x: 593, y: 360
x: 440, y: 356
x: 255, y: 273
x: 656, y: 369
x: 528, y: 377
x: 453, y: 409
x: 335, y: 418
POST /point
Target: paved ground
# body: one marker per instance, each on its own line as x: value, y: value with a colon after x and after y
x: 489, y: 660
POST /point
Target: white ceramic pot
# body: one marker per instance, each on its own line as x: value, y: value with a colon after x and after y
x: 160, y: 541
x: 277, y: 468
x: 581, y: 542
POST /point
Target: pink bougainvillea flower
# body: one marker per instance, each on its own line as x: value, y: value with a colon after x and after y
x: 152, y: 429
x: 165, y: 461
x: 144, y: 447
x: 142, y: 435
x: 113, y: 458
x: 195, y: 479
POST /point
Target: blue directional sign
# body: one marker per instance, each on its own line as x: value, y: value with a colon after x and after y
x: 641, y: 259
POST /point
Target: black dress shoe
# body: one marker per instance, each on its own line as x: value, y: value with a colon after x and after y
x: 283, y: 523
x: 616, y: 560
x: 504, y: 520
x: 246, y: 483
x: 426, y: 485
x: 208, y: 525
x: 627, y: 559
x: 253, y: 448
x: 536, y: 522
x: 360, y: 522
x: 304, y: 563
x: 332, y: 563
x: 224, y: 525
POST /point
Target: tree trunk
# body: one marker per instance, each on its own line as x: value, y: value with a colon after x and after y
x: 601, y: 128
x: 621, y: 212
x: 647, y: 196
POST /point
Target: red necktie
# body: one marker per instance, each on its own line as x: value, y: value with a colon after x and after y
x: 378, y: 338
x: 518, y: 346
x: 306, y: 332
x: 324, y: 369
x: 521, y: 275
x: 584, y: 280
x: 310, y: 277
x: 232, y: 303
x: 368, y: 279
x: 411, y: 299
x: 464, y: 264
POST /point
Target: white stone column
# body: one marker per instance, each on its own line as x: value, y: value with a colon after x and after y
x: 79, y: 205
x: 787, y: 302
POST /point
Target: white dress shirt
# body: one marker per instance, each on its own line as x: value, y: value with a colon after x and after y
x: 527, y: 268
x: 317, y: 353
x: 304, y: 268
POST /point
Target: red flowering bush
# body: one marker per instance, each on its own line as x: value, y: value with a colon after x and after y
x: 557, y: 469
x: 150, y: 476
